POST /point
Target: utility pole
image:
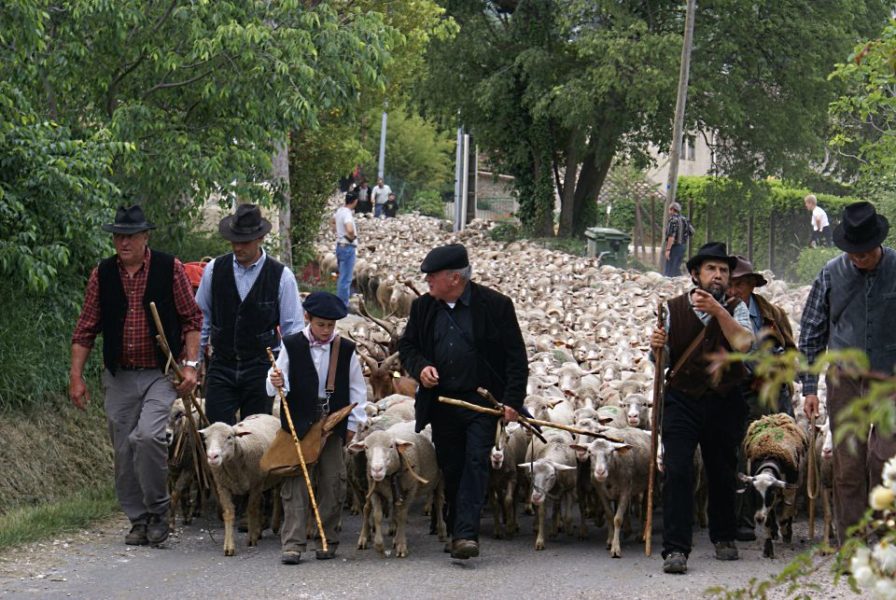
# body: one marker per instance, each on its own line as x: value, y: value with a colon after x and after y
x: 381, y: 165
x: 458, y: 179
x: 678, y: 125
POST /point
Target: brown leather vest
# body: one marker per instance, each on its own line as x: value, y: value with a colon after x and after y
x: 693, y: 378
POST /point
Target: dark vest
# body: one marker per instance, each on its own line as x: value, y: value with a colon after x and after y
x: 302, y: 398
x: 860, y: 317
x: 243, y: 329
x: 114, y: 306
x: 693, y: 379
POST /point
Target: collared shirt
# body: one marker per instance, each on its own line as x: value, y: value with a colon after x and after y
x: 741, y: 316
x: 343, y: 217
x: 320, y: 356
x: 291, y: 318
x: 454, y: 349
x: 381, y: 194
x: 138, y: 348
x: 755, y: 315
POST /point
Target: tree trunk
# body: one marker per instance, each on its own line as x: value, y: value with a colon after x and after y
x: 567, y: 197
x: 280, y: 173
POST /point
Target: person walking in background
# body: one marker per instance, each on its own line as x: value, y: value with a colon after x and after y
x: 821, y: 227
x: 678, y: 232
x: 365, y: 205
x: 850, y: 306
x: 245, y: 296
x: 380, y: 195
x: 346, y: 247
x: 138, y: 392
x: 390, y: 208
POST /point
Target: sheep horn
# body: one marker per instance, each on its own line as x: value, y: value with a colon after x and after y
x: 384, y: 324
x: 408, y: 283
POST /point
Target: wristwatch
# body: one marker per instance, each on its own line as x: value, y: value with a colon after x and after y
x: 191, y: 363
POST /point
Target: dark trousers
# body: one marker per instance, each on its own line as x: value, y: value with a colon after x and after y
x: 236, y: 385
x: 856, y: 470
x: 717, y: 424
x: 463, y: 441
x: 673, y: 265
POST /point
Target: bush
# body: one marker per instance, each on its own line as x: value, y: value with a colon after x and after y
x: 426, y: 202
x: 810, y: 262
x: 506, y: 232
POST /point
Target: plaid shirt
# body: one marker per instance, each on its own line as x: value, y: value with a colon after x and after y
x: 678, y: 229
x: 814, y: 327
x: 138, y: 348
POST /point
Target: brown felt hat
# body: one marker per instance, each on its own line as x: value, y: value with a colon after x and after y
x: 744, y: 268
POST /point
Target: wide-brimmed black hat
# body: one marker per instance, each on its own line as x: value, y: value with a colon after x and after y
x: 246, y: 225
x: 324, y: 305
x: 714, y: 251
x: 861, y: 229
x: 129, y: 221
x: 452, y: 256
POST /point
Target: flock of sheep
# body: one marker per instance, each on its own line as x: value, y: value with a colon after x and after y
x: 586, y: 327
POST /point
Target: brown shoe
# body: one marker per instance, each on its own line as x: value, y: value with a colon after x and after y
x: 464, y: 549
x: 290, y: 557
x: 157, y: 529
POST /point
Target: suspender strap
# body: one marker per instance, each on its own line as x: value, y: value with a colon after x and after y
x: 331, y: 374
x: 687, y: 354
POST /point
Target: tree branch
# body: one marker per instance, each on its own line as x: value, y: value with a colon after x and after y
x: 176, y: 84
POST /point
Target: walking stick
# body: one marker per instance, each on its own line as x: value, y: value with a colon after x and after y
x: 285, y: 407
x: 654, y: 431
x: 205, y: 480
x: 812, y: 479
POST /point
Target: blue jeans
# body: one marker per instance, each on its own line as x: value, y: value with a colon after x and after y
x: 673, y: 265
x: 345, y: 255
x: 378, y: 211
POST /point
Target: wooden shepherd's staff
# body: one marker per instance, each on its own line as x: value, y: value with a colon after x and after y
x: 285, y: 407
x: 654, y: 430
x: 523, y: 419
x: 205, y: 480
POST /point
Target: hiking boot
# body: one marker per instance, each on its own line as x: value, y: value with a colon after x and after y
x: 137, y: 535
x: 726, y: 551
x: 157, y: 529
x: 290, y: 557
x: 327, y: 554
x: 464, y: 549
x: 745, y: 534
x: 675, y: 562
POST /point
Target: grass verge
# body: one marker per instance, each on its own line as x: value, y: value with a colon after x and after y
x: 32, y: 523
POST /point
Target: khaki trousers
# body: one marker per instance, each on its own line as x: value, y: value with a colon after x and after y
x: 328, y: 479
x: 857, y: 463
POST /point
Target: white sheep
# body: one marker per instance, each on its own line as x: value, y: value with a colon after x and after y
x: 233, y: 454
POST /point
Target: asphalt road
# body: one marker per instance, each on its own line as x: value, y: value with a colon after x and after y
x: 96, y: 564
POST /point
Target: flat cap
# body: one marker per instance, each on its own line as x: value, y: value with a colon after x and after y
x: 452, y: 256
x: 324, y: 305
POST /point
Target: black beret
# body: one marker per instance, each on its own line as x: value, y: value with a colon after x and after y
x: 324, y: 305
x: 452, y: 256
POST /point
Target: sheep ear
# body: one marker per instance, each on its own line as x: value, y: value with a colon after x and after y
x: 526, y: 465
x: 356, y: 447
x: 242, y: 433
x: 621, y: 448
x: 402, y: 445
x: 579, y: 447
x: 745, y: 479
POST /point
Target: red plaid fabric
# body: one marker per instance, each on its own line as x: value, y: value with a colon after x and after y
x: 138, y: 346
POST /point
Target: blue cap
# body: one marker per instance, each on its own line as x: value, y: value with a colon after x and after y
x: 324, y: 305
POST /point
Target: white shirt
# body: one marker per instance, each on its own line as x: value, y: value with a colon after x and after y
x: 320, y: 356
x: 343, y: 216
x: 381, y: 194
x: 819, y: 219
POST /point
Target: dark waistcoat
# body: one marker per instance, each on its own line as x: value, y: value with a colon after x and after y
x: 860, y: 315
x: 304, y: 383
x: 693, y: 379
x: 114, y: 306
x: 243, y: 329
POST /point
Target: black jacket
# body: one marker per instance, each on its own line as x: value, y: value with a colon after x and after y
x: 501, y: 365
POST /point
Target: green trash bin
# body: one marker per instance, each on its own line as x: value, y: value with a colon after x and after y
x: 608, y: 244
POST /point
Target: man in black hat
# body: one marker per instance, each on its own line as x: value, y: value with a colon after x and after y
x: 244, y: 296
x: 462, y: 336
x: 851, y: 305
x: 700, y: 408
x: 138, y: 393
x: 305, y: 361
